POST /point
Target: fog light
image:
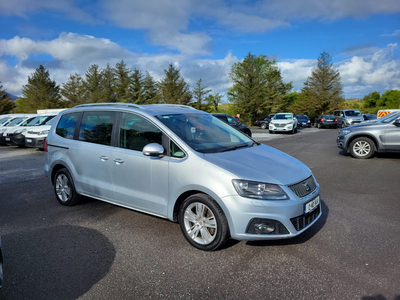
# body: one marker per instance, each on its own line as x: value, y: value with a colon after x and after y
x: 266, y: 226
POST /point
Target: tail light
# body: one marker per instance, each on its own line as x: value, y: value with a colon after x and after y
x: 256, y: 121
x: 45, y: 145
x: 335, y: 120
x: 322, y: 120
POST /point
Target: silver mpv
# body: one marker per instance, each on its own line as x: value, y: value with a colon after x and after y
x: 184, y: 165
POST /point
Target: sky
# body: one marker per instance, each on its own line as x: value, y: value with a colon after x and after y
x: 202, y: 38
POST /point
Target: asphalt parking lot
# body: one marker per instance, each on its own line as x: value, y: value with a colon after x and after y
x: 99, y: 251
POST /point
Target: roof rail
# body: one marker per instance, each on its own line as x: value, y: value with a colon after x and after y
x: 110, y: 104
x: 175, y: 105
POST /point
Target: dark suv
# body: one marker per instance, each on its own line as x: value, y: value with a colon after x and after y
x: 264, y: 122
x: 235, y: 124
x: 363, y: 140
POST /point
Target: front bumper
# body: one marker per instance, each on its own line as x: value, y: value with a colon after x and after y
x: 15, y: 139
x: 2, y: 140
x: 341, y: 141
x: 35, y: 142
x: 280, y: 127
x: 288, y: 213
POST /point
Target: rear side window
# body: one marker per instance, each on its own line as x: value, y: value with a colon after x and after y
x: 66, y: 125
x: 136, y: 132
x: 96, y: 127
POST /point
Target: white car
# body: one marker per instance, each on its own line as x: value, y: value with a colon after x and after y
x: 16, y: 123
x: 283, y: 122
x: 35, y: 136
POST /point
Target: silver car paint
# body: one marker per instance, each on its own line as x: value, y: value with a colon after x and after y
x: 156, y: 185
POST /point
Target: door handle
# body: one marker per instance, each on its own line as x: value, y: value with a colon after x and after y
x: 118, y: 161
x: 103, y: 157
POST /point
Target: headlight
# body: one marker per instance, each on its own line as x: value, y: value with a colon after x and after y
x: 259, y: 190
x: 44, y: 132
x: 19, y: 131
x: 344, y: 131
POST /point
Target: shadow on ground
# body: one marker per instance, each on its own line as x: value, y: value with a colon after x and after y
x: 62, y: 262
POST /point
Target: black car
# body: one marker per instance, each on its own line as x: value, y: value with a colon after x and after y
x: 370, y: 117
x: 303, y: 121
x: 264, y: 122
x: 231, y: 121
x: 326, y: 121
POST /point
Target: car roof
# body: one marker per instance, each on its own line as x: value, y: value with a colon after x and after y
x: 149, y: 109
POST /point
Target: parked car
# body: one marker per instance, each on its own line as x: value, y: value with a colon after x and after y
x: 369, y: 117
x: 16, y: 124
x: 365, y: 139
x: 303, y: 121
x: 348, y: 117
x: 16, y: 136
x: 233, y: 122
x: 326, y: 121
x: 264, y: 122
x: 283, y: 122
x: 182, y: 164
x: 35, y: 136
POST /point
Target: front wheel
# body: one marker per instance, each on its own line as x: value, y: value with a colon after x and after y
x: 203, y: 223
x: 64, y: 188
x: 362, y: 147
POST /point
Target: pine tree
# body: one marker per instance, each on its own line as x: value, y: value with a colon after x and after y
x: 109, y: 79
x: 199, y: 94
x: 6, y: 105
x: 74, y: 90
x: 136, y: 90
x: 257, y: 86
x: 214, y: 100
x: 123, y: 82
x: 41, y: 92
x: 173, y: 89
x: 323, y: 88
x: 94, y: 84
x: 150, y: 93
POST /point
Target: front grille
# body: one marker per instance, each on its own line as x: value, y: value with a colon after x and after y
x: 304, y: 187
x: 33, y: 132
x: 303, y: 221
x: 280, y: 125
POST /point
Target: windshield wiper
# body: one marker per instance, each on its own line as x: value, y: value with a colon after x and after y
x: 237, y: 147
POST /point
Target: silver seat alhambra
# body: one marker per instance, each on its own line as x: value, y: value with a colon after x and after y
x: 184, y: 165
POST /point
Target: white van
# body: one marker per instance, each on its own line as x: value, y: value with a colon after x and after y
x: 14, y: 122
x: 383, y: 112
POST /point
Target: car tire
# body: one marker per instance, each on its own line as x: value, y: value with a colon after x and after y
x: 64, y: 188
x: 319, y: 126
x: 263, y: 126
x: 342, y: 125
x: 203, y: 223
x: 292, y: 132
x: 362, y: 147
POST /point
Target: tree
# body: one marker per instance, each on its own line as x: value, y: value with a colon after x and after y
x: 214, y: 100
x: 94, y: 84
x: 41, y: 92
x: 323, y: 88
x: 371, y: 100
x: 150, y: 93
x: 136, y: 90
x: 199, y: 94
x: 74, y: 90
x: 123, y: 82
x: 257, y: 85
x: 390, y: 99
x: 6, y: 105
x: 173, y: 89
x: 108, y: 81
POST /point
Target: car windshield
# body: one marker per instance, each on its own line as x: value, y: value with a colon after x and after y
x: 4, y: 120
x: 17, y: 121
x: 301, y: 117
x: 352, y: 113
x: 206, y: 134
x: 49, y: 122
x: 283, y: 117
x: 40, y: 120
x: 371, y: 116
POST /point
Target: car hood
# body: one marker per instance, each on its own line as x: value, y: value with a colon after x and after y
x: 367, y: 124
x: 261, y: 163
x: 281, y: 121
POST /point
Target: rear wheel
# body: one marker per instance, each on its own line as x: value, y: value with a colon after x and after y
x: 203, y: 223
x: 319, y: 126
x: 362, y: 147
x: 64, y: 188
x: 263, y: 126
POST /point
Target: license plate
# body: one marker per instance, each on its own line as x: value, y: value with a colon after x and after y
x: 7, y: 139
x: 310, y: 206
x: 29, y: 140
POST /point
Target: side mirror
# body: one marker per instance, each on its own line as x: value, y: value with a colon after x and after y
x: 396, y: 122
x: 153, y: 149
